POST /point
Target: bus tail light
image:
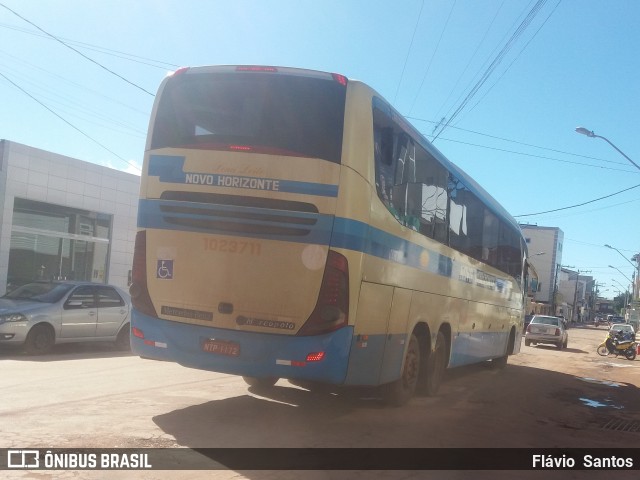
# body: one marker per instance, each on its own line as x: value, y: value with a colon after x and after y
x: 139, y: 290
x: 341, y: 79
x: 332, y: 308
x: 315, y: 357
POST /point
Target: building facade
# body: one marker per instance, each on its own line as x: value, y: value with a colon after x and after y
x: 64, y: 218
x: 545, y: 254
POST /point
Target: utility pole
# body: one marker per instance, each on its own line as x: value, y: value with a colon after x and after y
x: 575, y: 294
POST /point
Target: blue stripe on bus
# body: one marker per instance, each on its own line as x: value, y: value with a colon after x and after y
x: 333, y: 232
x: 170, y: 169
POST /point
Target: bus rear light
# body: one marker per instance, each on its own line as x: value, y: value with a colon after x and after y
x: 139, y: 290
x: 241, y: 148
x: 180, y: 71
x: 315, y: 357
x: 137, y: 332
x: 332, y: 308
x: 341, y: 79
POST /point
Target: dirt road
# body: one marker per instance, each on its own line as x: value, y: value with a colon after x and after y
x: 94, y: 397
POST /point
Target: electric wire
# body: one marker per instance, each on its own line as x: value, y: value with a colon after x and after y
x: 435, y: 51
x: 579, y: 204
x: 473, y: 56
x: 540, y: 156
x: 68, y: 122
x: 415, y: 29
x: 160, y: 64
x: 520, y: 143
x: 494, y: 64
x: 514, y: 60
x: 78, y: 52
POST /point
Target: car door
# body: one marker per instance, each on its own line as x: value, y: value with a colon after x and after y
x: 79, y: 313
x: 112, y: 311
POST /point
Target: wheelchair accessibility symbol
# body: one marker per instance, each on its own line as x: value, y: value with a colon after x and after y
x: 165, y: 269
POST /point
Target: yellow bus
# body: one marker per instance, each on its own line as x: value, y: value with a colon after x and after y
x: 293, y: 225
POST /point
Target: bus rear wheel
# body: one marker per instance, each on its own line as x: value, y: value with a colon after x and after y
x: 436, y: 364
x: 400, y: 392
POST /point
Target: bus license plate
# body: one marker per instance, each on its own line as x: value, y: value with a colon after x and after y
x: 221, y: 347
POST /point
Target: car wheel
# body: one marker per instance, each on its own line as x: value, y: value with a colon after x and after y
x: 123, y: 341
x: 261, y: 382
x: 399, y: 392
x: 40, y: 339
x: 559, y: 345
x: 566, y: 342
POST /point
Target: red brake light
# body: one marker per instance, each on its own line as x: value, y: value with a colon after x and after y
x: 341, y: 79
x: 557, y: 332
x: 241, y: 148
x: 315, y: 356
x: 332, y: 308
x: 180, y: 71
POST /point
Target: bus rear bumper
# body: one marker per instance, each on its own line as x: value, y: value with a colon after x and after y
x: 243, y: 353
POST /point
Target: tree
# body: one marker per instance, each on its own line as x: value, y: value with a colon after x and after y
x: 618, y: 302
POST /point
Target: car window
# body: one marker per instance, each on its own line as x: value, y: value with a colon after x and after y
x: 40, y: 292
x: 109, y: 297
x: 546, y: 320
x: 81, y: 297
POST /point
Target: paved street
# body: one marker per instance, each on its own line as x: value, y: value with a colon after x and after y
x: 94, y: 396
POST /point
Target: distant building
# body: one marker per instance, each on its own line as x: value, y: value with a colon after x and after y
x: 63, y: 218
x: 545, y: 254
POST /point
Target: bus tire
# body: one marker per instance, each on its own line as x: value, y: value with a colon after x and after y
x: 40, y: 339
x: 398, y: 393
x: 436, y: 364
x: 501, y: 362
x: 260, y: 382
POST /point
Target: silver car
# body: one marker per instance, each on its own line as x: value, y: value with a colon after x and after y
x: 546, y: 329
x: 40, y: 315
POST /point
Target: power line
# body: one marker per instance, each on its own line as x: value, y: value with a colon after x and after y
x: 77, y: 51
x: 444, y: 28
x: 480, y: 43
x: 579, y: 204
x: 415, y: 29
x: 517, y: 142
x: 160, y: 64
x: 68, y: 122
x: 496, y: 61
x: 517, y: 56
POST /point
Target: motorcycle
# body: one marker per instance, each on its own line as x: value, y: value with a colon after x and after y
x: 618, y: 345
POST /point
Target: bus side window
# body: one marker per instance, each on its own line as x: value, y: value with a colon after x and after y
x: 427, y: 195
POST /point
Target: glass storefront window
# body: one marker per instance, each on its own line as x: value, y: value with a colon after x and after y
x: 50, y: 242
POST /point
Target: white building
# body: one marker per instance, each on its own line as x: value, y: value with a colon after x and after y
x: 63, y: 218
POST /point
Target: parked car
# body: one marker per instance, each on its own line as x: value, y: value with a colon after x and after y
x: 616, y: 319
x: 546, y: 329
x: 626, y: 329
x: 527, y: 321
x: 40, y: 315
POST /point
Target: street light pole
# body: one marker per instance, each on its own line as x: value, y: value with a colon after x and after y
x: 633, y: 284
x: 589, y: 133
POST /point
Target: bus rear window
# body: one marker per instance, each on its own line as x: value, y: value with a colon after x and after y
x: 274, y: 113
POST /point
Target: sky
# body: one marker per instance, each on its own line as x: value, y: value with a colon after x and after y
x: 499, y: 86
